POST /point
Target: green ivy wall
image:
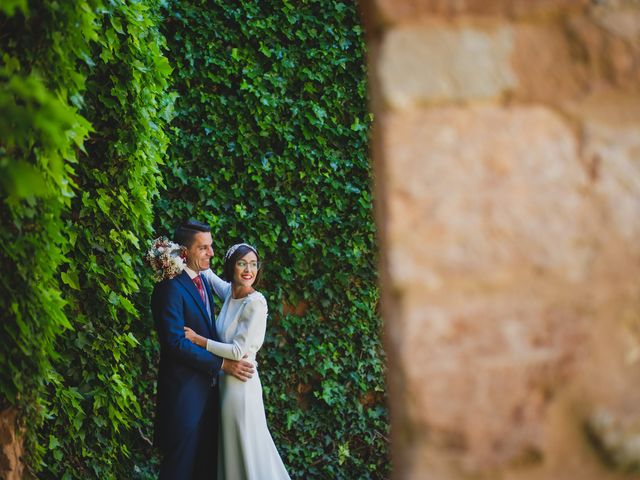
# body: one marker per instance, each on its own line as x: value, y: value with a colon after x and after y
x: 252, y: 117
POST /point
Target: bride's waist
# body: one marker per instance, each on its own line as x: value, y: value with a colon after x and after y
x: 251, y: 358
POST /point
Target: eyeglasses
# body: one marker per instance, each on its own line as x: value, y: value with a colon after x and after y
x: 252, y: 265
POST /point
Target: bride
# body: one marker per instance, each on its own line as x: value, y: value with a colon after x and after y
x: 246, y: 450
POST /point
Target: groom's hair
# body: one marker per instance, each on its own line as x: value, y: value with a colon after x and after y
x: 187, y: 231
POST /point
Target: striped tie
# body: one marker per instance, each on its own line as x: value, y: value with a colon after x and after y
x: 198, y: 281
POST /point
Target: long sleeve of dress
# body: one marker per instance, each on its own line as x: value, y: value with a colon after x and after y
x: 249, y: 334
x: 220, y: 287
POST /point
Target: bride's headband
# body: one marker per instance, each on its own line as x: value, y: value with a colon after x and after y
x: 233, y: 248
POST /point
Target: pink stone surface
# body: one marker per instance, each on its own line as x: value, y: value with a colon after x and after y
x: 507, y: 163
x: 395, y: 11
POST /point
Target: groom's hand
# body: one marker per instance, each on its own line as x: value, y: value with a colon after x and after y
x: 240, y: 369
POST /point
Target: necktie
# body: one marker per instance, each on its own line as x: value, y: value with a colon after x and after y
x: 198, y: 281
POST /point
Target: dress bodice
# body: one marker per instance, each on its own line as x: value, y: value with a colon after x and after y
x: 241, y: 323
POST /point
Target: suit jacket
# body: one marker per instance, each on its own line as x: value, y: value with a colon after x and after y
x: 187, y: 373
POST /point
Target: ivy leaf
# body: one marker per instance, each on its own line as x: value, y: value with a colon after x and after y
x: 70, y: 278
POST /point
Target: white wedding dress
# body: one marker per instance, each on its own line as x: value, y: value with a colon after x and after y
x: 246, y: 450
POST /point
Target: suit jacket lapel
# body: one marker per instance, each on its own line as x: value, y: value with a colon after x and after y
x: 188, y: 284
x: 207, y: 288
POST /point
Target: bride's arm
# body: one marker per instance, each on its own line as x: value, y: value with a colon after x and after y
x: 220, y: 287
x: 249, y: 336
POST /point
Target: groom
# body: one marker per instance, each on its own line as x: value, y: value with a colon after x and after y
x: 186, y: 423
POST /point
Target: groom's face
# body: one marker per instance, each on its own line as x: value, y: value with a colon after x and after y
x: 200, y: 253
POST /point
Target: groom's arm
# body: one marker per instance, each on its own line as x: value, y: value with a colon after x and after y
x: 167, y: 307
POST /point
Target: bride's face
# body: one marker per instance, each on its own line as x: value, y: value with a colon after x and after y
x: 246, y: 269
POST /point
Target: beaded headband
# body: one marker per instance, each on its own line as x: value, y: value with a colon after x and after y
x: 233, y: 248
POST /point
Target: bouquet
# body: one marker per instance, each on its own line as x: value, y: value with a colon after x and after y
x: 165, y: 259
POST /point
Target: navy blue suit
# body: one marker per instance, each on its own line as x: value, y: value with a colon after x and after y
x: 186, y: 424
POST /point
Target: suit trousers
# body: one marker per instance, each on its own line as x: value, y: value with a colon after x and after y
x: 194, y: 456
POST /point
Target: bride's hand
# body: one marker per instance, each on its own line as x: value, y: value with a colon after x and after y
x: 192, y: 336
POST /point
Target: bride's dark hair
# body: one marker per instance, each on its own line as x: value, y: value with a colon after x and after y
x: 230, y: 263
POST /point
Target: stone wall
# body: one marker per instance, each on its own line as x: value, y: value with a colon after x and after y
x: 11, y: 448
x: 506, y: 150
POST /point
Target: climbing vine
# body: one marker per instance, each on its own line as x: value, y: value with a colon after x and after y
x: 269, y: 145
